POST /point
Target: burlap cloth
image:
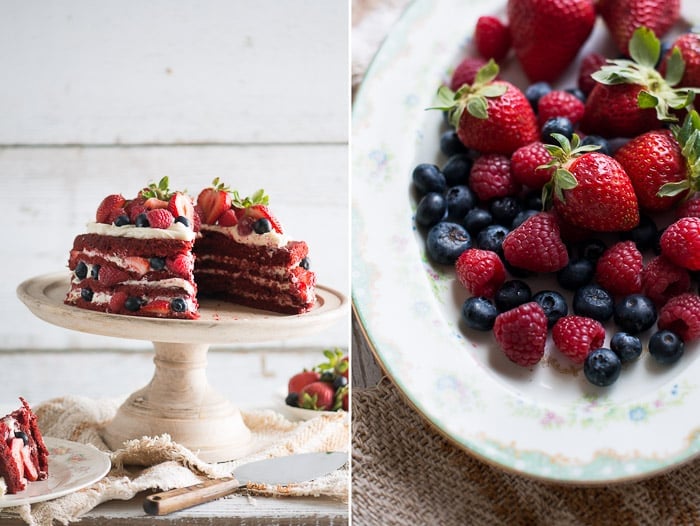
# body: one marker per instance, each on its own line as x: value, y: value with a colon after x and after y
x: 404, y: 472
x: 169, y: 465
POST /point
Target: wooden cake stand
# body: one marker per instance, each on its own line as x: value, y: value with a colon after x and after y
x: 179, y: 400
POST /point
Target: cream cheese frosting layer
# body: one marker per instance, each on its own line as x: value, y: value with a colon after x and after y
x: 268, y: 239
x: 175, y: 231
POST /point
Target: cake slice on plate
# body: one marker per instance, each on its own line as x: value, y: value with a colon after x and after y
x: 23, y: 454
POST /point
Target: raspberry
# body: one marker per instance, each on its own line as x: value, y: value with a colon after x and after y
x: 535, y: 245
x: 465, y: 72
x: 524, y: 163
x: 681, y: 315
x: 480, y: 271
x: 680, y: 243
x: 492, y: 38
x: 576, y: 336
x: 589, y: 65
x: 160, y: 218
x: 135, y: 211
x: 619, y: 269
x: 180, y: 265
x: 491, y: 177
x: 559, y: 103
x: 522, y: 333
x: 689, y: 208
x: 662, y: 279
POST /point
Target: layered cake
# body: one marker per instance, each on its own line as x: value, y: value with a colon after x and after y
x: 23, y: 454
x: 151, y: 255
x: 136, y: 257
x: 243, y: 255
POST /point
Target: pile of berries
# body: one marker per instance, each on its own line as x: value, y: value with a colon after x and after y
x: 323, y: 387
x: 595, y: 185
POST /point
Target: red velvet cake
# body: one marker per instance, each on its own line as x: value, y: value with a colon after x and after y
x: 243, y: 256
x: 136, y: 258
x: 23, y: 454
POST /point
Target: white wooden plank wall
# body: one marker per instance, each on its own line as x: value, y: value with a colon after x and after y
x: 104, y: 97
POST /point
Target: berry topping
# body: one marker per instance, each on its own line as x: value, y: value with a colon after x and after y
x: 553, y: 304
x: 680, y: 243
x: 133, y: 303
x: 86, y: 294
x: 262, y: 226
x: 536, y: 246
x: 522, y: 333
x: 446, y: 241
x: 157, y: 263
x: 142, y: 220
x: 214, y: 201
x: 81, y: 270
x: 181, y: 208
x: 110, y: 276
x: 318, y: 396
x: 492, y: 38
x: 627, y: 347
x: 108, y: 205
x: 178, y: 305
x: 159, y: 218
x: 634, y: 314
x: 594, y: 302
x: 228, y: 218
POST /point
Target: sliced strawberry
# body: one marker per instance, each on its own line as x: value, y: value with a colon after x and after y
x: 16, y: 445
x: 181, y: 205
x: 154, y: 203
x: 262, y: 211
x: 30, y: 471
x: 160, y: 218
x: 228, y: 218
x: 109, y: 276
x: 214, y: 203
x: 107, y: 206
x: 137, y: 264
x: 117, y: 301
x: 157, y: 307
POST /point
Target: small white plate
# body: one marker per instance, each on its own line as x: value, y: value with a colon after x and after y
x: 298, y: 413
x: 72, y: 467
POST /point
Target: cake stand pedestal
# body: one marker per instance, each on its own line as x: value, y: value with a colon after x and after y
x: 179, y: 400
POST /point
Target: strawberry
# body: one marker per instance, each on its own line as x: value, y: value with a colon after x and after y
x: 318, y: 396
x: 522, y: 333
x: 345, y: 402
x: 16, y: 446
x: 681, y: 315
x: 631, y: 96
x: 619, y: 269
x: 30, y: 471
x: 117, y: 301
x: 536, y: 245
x: 558, y: 103
x: 680, y: 243
x: 137, y: 265
x: 525, y: 163
x: 156, y: 308
x: 108, y: 205
x: 160, y: 218
x: 180, y: 205
x: 589, y: 65
x: 689, y: 46
x: 465, y: 72
x: 623, y: 17
x: 547, y: 34
x: 263, y: 212
x: 491, y: 177
x: 492, y: 38
x: 250, y: 209
x: 491, y: 116
x: 110, y: 276
x: 343, y: 367
x: 663, y: 164
x: 480, y: 271
x: 153, y: 203
x: 576, y: 336
x: 589, y: 189
x: 228, y: 218
x: 214, y: 201
x: 300, y: 380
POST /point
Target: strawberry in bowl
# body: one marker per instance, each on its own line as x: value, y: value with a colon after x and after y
x: 323, y: 388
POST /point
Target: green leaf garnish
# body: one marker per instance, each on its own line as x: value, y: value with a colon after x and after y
x: 644, y: 47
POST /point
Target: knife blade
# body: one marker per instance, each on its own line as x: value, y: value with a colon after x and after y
x: 291, y: 469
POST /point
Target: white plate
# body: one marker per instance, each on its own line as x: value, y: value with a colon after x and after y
x: 72, y: 466
x: 298, y: 413
x: 547, y: 422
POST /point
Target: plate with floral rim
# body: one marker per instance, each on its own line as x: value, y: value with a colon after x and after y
x: 547, y: 421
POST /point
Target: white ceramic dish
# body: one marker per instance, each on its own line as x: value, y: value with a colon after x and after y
x: 298, y: 413
x: 547, y: 422
x: 72, y: 467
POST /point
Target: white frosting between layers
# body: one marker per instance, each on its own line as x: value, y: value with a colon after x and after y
x: 175, y: 231
x: 268, y: 239
x: 103, y: 298
x: 3, y: 487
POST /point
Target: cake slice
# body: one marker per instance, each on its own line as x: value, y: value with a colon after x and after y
x: 136, y: 257
x: 243, y: 256
x: 23, y: 454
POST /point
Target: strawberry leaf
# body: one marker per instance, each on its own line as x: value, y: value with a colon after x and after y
x: 644, y: 47
x: 478, y: 107
x: 672, y: 189
x: 445, y: 99
x: 647, y: 100
x: 487, y: 73
x: 675, y: 67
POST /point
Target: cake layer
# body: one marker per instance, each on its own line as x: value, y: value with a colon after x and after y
x: 289, y: 255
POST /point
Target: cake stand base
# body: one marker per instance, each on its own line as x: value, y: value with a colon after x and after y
x: 180, y: 402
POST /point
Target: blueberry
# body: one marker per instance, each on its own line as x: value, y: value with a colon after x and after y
x: 456, y: 169
x: 476, y: 220
x: 142, y: 221
x: 594, y: 302
x: 305, y: 263
x: 339, y: 381
x: 431, y: 209
x: 23, y: 436
x: 627, y: 346
x: 428, y: 178
x: 121, y: 220
x: 644, y: 235
x: 597, y: 140
x: 183, y: 220
x: 602, y: 367
x: 178, y: 305
x: 560, y: 125
x: 81, y: 270
x: 479, y: 313
x: 533, y: 200
x: 511, y: 294
x: 95, y: 272
x: 491, y: 238
x: 262, y: 226
x: 553, y: 304
x: 666, y: 347
x: 327, y: 376
x: 576, y: 92
x: 522, y: 217
x: 576, y: 274
x: 157, y: 263
x: 86, y: 294
x: 634, y: 313
x: 504, y: 210
x: 446, y: 241
x: 592, y: 250
x: 292, y: 399
x: 534, y: 92
x: 450, y: 144
x: 460, y: 199
x: 132, y: 303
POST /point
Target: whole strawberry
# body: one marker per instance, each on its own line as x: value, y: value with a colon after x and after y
x: 576, y: 336
x: 623, y: 17
x: 492, y: 38
x: 490, y: 116
x: 300, y: 380
x: 631, y: 96
x: 522, y: 333
x: 318, y: 396
x: 689, y: 46
x: 547, y: 34
x: 590, y: 190
x: 536, y: 245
